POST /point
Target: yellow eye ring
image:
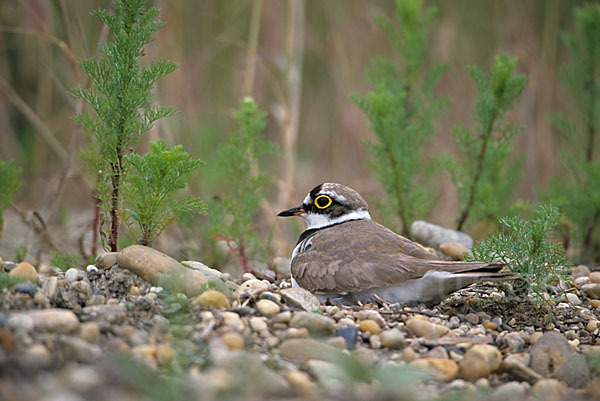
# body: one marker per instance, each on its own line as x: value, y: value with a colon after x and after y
x: 323, y: 206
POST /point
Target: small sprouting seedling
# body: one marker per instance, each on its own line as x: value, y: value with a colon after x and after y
x: 153, y: 182
x: 121, y: 99
x: 20, y: 254
x: 402, y: 111
x: 483, y: 175
x: 526, y: 249
x: 10, y: 182
x: 232, y: 214
x: 64, y: 261
x: 578, y: 194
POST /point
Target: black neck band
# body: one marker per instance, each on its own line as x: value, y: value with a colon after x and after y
x: 309, y: 233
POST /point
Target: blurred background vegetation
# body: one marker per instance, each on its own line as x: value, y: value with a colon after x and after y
x: 301, y: 61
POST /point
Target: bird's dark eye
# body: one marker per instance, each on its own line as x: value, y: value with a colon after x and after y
x: 323, y: 201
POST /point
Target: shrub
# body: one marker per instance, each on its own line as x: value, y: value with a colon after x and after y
x: 10, y: 182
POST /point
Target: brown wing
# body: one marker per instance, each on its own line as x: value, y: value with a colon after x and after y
x: 362, y: 254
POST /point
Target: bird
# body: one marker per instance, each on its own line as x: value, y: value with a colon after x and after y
x: 346, y: 258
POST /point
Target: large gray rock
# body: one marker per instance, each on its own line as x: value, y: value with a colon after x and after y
x: 300, y: 298
x: 433, y: 235
x: 316, y: 324
x: 552, y: 356
x: 164, y: 271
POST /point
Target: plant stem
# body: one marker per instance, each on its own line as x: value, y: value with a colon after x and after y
x: 471, y: 200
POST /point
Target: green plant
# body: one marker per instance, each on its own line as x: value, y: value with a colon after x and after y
x: 579, y: 194
x: 483, y: 175
x: 121, y: 100
x: 526, y: 249
x: 10, y: 182
x: 154, y: 180
x: 64, y: 261
x: 232, y: 214
x: 7, y: 280
x: 402, y: 111
x: 20, y: 254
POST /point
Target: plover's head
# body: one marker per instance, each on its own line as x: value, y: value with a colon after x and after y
x: 329, y: 204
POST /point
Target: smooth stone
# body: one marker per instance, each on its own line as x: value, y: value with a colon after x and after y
x: 592, y: 325
x: 595, y: 303
x: 580, y: 271
x: 472, y: 318
x: 20, y: 323
x: 372, y: 315
x: 301, y: 383
x: 262, y: 272
x: 433, y: 235
x: 233, y: 320
x: 233, y: 340
x: 107, y: 260
x: 455, y: 250
x: 300, y: 298
x: 315, y: 323
x: 38, y: 356
x: 375, y: 341
x: 295, y: 333
x: 79, y: 350
x: 283, y: 267
x: 369, y: 326
x: 266, y: 307
x: 213, y: 275
x: 251, y: 289
x: 329, y: 375
x: 479, y: 361
x: 212, y: 298
x: 95, y: 300
x: 114, y: 314
x: 520, y: 370
x: 91, y: 269
x: 41, y: 299
x: 549, y: 390
x: 305, y: 349
x: 392, y: 338
x: 164, y: 354
x: 54, y: 320
x: 595, y: 277
x: 258, y: 324
x: 90, y: 332
x: 73, y: 275
x: 83, y: 288
x: 283, y: 317
x: 514, y: 342
x: 441, y: 369
x: 26, y: 288
x: 349, y: 334
x: 510, y: 391
x: 50, y: 287
x: 24, y: 270
x: 552, y: 356
x: 423, y: 328
x: 573, y: 299
x: 592, y: 290
x: 162, y: 270
x: 8, y: 265
x: 535, y: 337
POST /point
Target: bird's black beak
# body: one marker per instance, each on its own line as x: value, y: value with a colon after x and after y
x: 295, y: 211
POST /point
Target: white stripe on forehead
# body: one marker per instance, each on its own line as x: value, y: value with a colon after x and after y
x: 340, y: 198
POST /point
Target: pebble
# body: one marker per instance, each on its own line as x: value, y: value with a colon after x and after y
x: 392, y: 338
x: 283, y: 317
x: 24, y: 270
x: 267, y: 307
x: 433, y: 235
x: 580, y: 271
x: 26, y: 288
x: 423, y: 328
x: 510, y: 391
x: 349, y: 334
x: 38, y: 356
x: 594, y: 276
x: 370, y: 326
x: 301, y: 383
x: 8, y: 265
x: 472, y: 318
x: 479, y: 361
x: 78, y: 349
x: 114, y: 314
x: 592, y: 290
x: 592, y: 325
x: 300, y: 298
x: 442, y: 369
x: 20, y: 323
x: 165, y: 354
x: 513, y: 342
x: 552, y: 356
x: 83, y: 288
x: 258, y: 324
x: 106, y: 260
x: 573, y: 299
x: 50, y: 287
x: 305, y: 349
x: 73, y: 275
x: 251, y: 289
x: 233, y: 340
x: 211, y: 298
x: 315, y: 323
x: 455, y: 250
x: 53, y: 320
x: 90, y: 332
x: 595, y: 303
x: 549, y: 390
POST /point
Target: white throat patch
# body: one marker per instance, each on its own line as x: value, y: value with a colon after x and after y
x: 314, y: 220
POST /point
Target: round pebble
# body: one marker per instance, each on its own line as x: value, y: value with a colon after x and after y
x: 266, y: 307
x: 369, y: 326
x: 212, y: 298
x: 24, y: 270
x: 233, y: 340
